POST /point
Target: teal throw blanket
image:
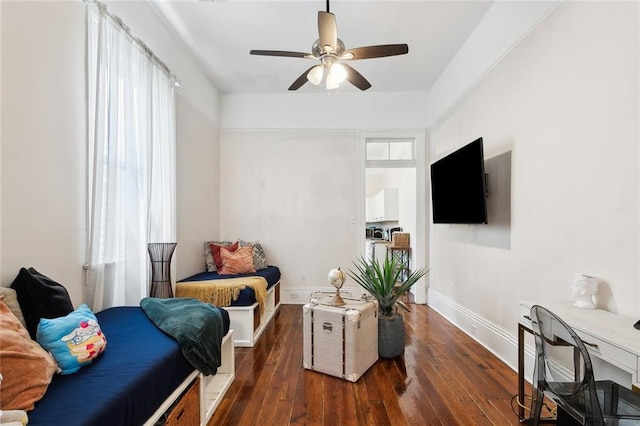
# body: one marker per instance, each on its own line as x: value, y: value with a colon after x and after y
x: 197, y: 327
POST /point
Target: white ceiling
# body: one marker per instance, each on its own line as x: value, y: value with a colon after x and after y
x: 221, y: 34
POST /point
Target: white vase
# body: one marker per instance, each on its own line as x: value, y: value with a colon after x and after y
x: 584, y: 288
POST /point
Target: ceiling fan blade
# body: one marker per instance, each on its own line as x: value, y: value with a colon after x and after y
x: 379, y: 51
x: 279, y: 53
x: 355, y: 78
x: 300, y: 81
x: 327, y: 30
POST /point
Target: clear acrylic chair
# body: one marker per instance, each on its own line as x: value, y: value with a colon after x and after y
x: 564, y: 373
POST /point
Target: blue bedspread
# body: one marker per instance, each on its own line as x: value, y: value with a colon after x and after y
x: 270, y: 273
x: 140, y: 361
x: 139, y: 369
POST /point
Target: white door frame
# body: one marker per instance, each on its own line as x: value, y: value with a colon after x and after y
x: 420, y: 240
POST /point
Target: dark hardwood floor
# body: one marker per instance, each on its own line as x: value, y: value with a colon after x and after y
x: 444, y: 378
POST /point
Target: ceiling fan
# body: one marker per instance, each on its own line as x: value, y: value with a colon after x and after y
x: 329, y: 49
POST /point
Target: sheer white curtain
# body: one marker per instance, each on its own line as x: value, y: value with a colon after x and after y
x: 131, y: 161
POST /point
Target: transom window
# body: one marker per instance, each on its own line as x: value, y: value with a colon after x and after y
x: 390, y: 152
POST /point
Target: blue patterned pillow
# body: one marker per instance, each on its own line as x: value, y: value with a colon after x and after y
x: 259, y: 256
x: 73, y: 340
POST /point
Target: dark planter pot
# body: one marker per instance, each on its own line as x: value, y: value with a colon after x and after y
x: 391, y: 336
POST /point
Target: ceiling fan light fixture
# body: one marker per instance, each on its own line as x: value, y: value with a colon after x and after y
x: 315, y: 75
x: 331, y: 83
x: 339, y: 72
x: 336, y: 75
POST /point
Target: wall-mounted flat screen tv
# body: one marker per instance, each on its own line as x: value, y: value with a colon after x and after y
x: 458, y: 186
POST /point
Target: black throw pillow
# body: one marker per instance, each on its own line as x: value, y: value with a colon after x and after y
x: 40, y: 297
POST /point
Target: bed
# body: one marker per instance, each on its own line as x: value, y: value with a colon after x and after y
x: 248, y: 317
x: 137, y: 379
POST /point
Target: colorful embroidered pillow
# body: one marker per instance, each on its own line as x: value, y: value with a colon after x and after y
x: 73, y: 340
x: 208, y: 255
x: 259, y: 256
x: 215, y: 251
x: 239, y: 261
x: 27, y: 369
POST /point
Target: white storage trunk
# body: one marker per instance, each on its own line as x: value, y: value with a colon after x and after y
x: 341, y: 341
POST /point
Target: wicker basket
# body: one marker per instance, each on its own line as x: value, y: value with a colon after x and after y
x: 400, y: 239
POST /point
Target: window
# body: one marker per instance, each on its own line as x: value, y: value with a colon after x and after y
x: 131, y: 160
x: 390, y: 152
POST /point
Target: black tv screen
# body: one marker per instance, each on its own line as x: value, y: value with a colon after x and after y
x: 458, y: 186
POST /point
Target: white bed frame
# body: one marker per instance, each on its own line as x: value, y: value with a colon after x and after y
x: 246, y: 321
x: 212, y: 387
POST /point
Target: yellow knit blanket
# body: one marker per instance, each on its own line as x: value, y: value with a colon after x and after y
x: 222, y: 292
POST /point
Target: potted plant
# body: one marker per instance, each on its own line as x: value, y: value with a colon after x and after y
x: 386, y: 284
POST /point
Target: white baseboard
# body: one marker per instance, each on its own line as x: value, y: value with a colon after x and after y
x: 496, y: 340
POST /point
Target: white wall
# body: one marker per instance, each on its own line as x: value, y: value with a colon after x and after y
x: 43, y: 141
x: 364, y: 110
x: 292, y: 175
x: 501, y: 28
x: 565, y: 102
x: 197, y: 186
x: 43, y: 138
x: 296, y: 192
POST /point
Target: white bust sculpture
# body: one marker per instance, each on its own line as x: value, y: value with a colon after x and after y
x: 583, y: 289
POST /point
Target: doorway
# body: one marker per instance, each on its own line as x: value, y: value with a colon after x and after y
x: 394, y: 197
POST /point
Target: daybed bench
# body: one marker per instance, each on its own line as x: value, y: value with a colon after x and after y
x: 118, y: 367
x: 239, y: 279
x: 248, y: 319
x: 137, y: 380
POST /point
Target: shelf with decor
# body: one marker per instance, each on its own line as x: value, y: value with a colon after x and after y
x: 402, y: 256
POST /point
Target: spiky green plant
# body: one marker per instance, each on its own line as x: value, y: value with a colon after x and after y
x: 380, y: 281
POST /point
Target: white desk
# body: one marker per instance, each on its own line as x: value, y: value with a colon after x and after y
x: 611, y: 337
